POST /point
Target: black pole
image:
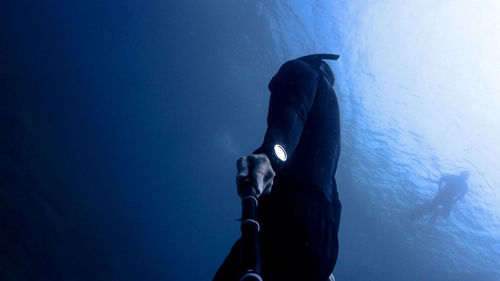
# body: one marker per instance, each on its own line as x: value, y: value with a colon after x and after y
x: 250, y: 248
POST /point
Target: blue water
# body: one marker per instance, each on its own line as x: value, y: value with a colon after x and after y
x: 122, y: 121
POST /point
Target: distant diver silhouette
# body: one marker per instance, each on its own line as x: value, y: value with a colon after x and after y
x: 451, y: 189
x: 293, y: 172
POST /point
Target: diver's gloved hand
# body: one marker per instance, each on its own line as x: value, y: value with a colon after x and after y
x: 257, y: 169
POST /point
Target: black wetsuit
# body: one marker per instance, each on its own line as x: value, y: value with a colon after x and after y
x: 300, y: 217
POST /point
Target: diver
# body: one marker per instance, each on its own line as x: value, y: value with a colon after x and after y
x: 451, y: 188
x: 294, y: 169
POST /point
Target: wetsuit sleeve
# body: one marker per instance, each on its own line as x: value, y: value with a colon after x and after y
x: 293, y: 90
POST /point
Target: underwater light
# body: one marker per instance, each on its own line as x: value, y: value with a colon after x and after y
x: 280, y: 152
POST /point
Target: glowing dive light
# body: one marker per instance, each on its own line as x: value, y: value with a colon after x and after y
x: 280, y: 152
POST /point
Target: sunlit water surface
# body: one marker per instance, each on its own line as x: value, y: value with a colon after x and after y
x: 420, y: 97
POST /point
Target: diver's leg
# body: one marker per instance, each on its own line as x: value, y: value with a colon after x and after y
x: 446, y: 211
x: 230, y: 268
x: 299, y: 240
x: 321, y: 243
x: 437, y: 202
x: 422, y: 210
x: 435, y: 215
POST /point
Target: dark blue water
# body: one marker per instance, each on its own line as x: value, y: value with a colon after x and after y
x: 121, y: 123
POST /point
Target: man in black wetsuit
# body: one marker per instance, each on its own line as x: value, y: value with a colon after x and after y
x: 451, y: 189
x: 299, y: 218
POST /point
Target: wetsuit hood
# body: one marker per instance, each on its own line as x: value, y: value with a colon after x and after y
x: 317, y: 62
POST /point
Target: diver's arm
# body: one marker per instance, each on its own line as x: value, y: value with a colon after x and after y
x: 293, y: 90
x: 444, y: 180
x: 440, y: 183
x: 461, y: 195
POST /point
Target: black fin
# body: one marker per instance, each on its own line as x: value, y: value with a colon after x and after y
x: 316, y: 59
